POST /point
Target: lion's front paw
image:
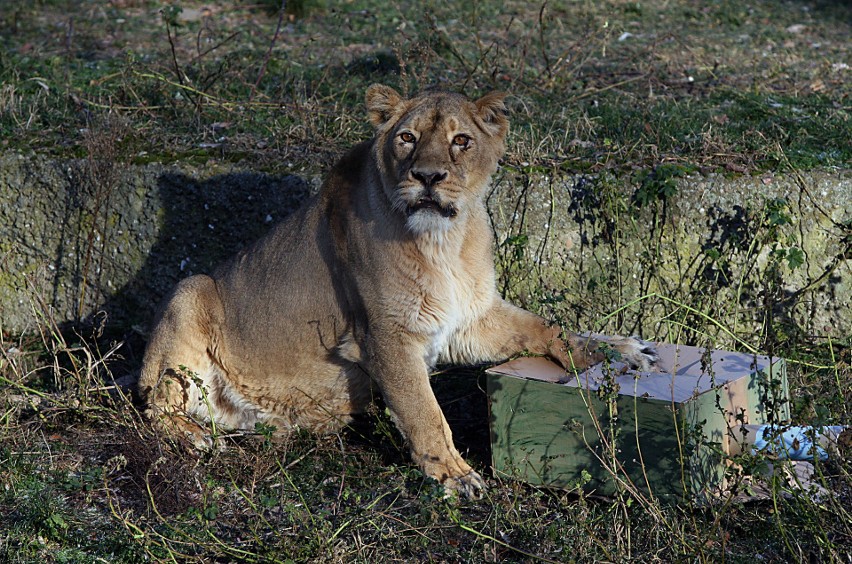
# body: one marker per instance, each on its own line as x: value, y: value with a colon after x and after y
x: 193, y: 435
x: 470, y: 486
x: 639, y: 354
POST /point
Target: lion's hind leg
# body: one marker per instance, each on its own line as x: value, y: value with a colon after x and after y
x: 180, y: 383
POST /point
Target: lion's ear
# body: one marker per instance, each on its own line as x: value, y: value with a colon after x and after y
x: 382, y: 103
x: 492, y: 111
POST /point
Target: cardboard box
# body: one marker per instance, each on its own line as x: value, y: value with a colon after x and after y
x: 609, y: 429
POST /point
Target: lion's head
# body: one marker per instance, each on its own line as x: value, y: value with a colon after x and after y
x: 436, y: 152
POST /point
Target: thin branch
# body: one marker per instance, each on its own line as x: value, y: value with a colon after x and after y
x: 269, y: 51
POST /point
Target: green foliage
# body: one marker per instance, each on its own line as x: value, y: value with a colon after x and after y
x: 296, y: 8
x: 794, y: 257
x: 776, y: 212
x: 87, y: 480
x: 171, y: 14
x: 658, y: 184
x: 517, y: 245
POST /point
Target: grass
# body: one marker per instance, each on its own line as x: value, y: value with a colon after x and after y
x: 636, y: 92
x: 84, y: 478
x: 594, y: 85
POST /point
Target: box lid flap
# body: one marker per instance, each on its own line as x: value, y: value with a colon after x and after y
x: 682, y: 373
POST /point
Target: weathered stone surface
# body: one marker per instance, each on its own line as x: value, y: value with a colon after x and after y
x: 726, y: 247
x: 76, y: 239
x: 80, y: 237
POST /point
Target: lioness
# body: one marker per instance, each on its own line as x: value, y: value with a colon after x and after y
x: 383, y: 274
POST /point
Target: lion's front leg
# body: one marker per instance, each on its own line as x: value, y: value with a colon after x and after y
x: 397, y: 364
x: 506, y: 330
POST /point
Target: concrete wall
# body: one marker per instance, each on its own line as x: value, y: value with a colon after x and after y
x: 80, y: 237
x: 724, y: 247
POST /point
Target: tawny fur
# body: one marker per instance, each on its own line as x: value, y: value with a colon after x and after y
x: 383, y: 274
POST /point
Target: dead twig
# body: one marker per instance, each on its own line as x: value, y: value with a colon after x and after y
x: 262, y: 71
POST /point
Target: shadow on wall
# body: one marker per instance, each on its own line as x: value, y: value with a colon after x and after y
x: 201, y: 223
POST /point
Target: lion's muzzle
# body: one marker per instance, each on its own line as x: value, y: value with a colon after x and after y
x: 430, y: 204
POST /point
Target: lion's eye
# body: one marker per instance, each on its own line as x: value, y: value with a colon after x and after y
x: 407, y: 137
x: 461, y: 141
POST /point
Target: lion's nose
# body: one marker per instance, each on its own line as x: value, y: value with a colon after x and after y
x: 429, y: 178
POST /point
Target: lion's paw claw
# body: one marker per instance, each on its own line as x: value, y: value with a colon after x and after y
x: 470, y: 486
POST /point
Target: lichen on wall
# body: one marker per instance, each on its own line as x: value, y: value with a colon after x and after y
x: 704, y: 255
x: 75, y: 250
x: 664, y: 254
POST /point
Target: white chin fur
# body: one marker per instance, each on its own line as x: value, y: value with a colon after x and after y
x: 425, y: 221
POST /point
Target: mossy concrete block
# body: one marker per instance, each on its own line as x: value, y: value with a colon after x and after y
x: 587, y: 246
x: 81, y: 236
x: 78, y: 238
